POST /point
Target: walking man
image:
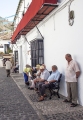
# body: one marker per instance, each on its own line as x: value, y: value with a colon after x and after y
x: 8, y: 67
x: 71, y: 75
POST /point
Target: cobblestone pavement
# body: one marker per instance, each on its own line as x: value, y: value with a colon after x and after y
x: 13, y: 104
x: 54, y: 109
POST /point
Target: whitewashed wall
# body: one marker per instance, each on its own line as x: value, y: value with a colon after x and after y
x: 24, y: 54
x: 60, y: 38
x: 1, y: 62
x: 23, y: 7
x: 2, y: 50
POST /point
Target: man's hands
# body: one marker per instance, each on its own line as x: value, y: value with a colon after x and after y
x: 77, y: 74
x: 37, y: 80
x: 34, y: 74
x: 46, y: 82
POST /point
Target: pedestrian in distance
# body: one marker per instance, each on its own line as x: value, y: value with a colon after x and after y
x: 8, y: 67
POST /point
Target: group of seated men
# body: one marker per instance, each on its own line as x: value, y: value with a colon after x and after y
x: 43, y: 79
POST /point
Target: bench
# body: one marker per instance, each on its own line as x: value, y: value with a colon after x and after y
x: 55, y: 86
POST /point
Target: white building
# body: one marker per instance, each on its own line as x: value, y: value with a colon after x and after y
x: 62, y: 34
x: 4, y: 44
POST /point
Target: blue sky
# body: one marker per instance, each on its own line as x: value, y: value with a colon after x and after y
x: 8, y: 8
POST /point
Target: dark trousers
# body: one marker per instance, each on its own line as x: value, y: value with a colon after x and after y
x: 8, y: 72
x: 15, y: 70
x: 42, y: 86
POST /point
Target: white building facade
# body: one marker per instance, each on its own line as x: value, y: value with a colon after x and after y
x: 60, y: 38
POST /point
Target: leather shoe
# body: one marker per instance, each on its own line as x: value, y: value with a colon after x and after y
x: 73, y: 105
x: 41, y: 99
x: 67, y: 101
x: 45, y: 95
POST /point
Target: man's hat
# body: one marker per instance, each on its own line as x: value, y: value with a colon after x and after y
x: 37, y: 66
x: 42, y: 67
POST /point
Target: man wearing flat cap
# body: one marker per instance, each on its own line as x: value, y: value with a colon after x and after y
x: 44, y: 75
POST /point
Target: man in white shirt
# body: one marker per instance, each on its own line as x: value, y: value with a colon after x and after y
x: 44, y: 76
x: 8, y: 67
x: 71, y: 75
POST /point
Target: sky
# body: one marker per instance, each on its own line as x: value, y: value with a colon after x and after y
x: 8, y: 8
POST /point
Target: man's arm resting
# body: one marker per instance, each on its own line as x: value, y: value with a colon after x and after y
x: 77, y: 74
x: 52, y: 81
x: 41, y: 80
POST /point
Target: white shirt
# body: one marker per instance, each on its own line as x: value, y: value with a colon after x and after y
x: 37, y: 74
x: 45, y: 74
x: 70, y: 74
x: 8, y: 65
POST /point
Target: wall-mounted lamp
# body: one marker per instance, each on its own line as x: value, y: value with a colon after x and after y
x: 71, y: 18
x: 71, y: 15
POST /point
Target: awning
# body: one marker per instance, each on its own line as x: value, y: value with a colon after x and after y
x: 36, y: 12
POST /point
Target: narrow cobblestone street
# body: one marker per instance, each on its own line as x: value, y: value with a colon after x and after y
x: 17, y: 102
x: 13, y: 104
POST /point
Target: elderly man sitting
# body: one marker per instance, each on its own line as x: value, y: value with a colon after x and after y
x: 52, y: 78
x: 44, y: 76
x: 37, y: 75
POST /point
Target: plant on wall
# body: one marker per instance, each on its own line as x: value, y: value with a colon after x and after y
x: 9, y: 50
x: 1, y: 53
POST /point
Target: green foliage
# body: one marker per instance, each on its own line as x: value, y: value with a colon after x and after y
x: 9, y: 51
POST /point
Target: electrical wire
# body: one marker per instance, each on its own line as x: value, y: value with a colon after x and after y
x: 26, y: 40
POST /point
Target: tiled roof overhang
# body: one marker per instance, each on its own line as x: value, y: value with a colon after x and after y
x: 36, y: 12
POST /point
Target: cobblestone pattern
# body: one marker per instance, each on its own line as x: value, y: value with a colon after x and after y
x: 13, y: 104
x: 76, y: 115
x: 34, y: 97
x: 54, y: 109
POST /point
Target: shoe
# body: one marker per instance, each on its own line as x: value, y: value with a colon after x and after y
x: 73, y: 105
x: 31, y: 88
x: 27, y: 83
x: 45, y: 95
x: 41, y: 99
x: 66, y: 101
x: 35, y: 89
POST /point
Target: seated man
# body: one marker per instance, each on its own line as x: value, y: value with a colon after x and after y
x: 16, y: 67
x: 26, y: 72
x: 37, y: 75
x: 43, y: 76
x: 52, y: 78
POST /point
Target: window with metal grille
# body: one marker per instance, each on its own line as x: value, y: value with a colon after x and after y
x: 37, y: 52
x: 15, y: 57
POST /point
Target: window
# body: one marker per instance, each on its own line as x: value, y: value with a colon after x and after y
x: 37, y: 52
x: 15, y: 57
